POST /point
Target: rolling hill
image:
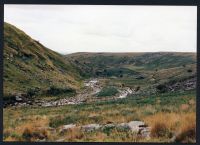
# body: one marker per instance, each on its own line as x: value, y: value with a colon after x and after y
x: 115, y: 64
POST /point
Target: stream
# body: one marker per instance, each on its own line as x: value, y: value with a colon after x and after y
x: 92, y: 87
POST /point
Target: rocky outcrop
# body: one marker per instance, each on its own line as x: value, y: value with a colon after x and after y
x: 185, y: 85
x: 139, y: 127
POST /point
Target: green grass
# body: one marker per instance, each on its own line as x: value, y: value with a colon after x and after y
x: 107, y: 91
x: 118, y: 111
x: 28, y: 65
x: 131, y: 63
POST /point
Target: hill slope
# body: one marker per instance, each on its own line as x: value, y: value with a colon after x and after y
x: 30, y: 67
x: 114, y: 64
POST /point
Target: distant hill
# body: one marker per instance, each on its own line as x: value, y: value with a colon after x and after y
x: 30, y: 67
x: 102, y: 64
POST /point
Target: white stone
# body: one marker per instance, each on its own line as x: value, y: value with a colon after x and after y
x: 91, y: 127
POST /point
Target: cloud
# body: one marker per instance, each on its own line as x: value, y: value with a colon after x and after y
x: 74, y: 28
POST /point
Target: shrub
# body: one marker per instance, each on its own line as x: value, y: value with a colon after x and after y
x: 107, y: 91
x: 107, y: 130
x: 53, y: 90
x: 161, y: 88
x: 33, y: 91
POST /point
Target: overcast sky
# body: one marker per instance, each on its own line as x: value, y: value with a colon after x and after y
x: 75, y: 28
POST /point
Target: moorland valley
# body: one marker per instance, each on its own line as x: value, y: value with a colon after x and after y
x: 85, y: 96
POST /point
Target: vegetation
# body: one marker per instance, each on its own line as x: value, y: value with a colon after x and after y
x: 154, y: 110
x: 163, y: 86
x: 29, y: 65
x: 130, y: 64
x: 107, y: 91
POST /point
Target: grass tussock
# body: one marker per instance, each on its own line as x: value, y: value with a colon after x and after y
x: 167, y: 125
x: 31, y: 134
x: 187, y: 132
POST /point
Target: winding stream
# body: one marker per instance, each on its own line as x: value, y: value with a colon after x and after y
x: 92, y: 87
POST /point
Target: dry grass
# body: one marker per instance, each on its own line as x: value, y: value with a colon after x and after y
x: 187, y: 131
x: 32, y: 134
x: 183, y: 125
x: 179, y: 121
x: 30, y: 130
x: 192, y: 102
x: 184, y: 107
x: 73, y: 134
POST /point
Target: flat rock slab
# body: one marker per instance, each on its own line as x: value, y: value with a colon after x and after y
x: 90, y: 127
x: 134, y: 126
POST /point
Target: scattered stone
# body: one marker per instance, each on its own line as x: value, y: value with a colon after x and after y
x: 41, y: 140
x: 90, y: 127
x: 135, y: 125
x: 60, y: 140
x: 18, y: 98
x: 173, y: 139
x: 144, y: 132
x: 108, y: 126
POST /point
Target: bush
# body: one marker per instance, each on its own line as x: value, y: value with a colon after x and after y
x: 108, y: 130
x: 107, y: 91
x: 161, y: 88
x: 33, y: 91
x: 53, y: 90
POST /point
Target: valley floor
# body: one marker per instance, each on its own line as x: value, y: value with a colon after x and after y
x: 91, y: 117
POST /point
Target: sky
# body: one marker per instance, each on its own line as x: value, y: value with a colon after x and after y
x: 101, y: 28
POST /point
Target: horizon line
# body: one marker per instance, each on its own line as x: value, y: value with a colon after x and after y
x: 131, y: 52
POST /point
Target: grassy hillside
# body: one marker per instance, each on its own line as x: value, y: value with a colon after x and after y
x: 30, y: 67
x: 116, y: 64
